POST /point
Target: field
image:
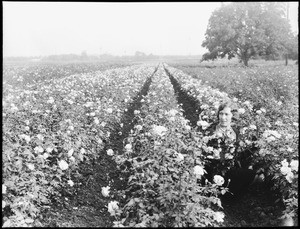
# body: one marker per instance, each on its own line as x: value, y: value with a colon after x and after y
x: 123, y: 144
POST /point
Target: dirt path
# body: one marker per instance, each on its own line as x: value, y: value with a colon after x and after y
x: 85, y: 206
x: 254, y: 208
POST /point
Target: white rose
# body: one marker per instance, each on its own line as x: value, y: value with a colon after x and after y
x: 113, y: 207
x: 138, y: 127
x: 71, y: 128
x: 45, y: 155
x: 172, y: 119
x: 263, y: 110
x: 179, y: 157
x: 187, y: 127
x: 159, y: 130
x: 30, y: 166
x: 96, y: 121
x: 294, y: 165
x: 173, y: 112
x: 241, y: 110
x: 82, y: 151
x: 27, y: 138
x: 203, y: 124
x: 110, y: 152
x: 284, y: 163
x: 219, y: 217
x: 285, y: 170
x: 210, y: 149
x: 289, y: 177
x: 71, y: 183
x: 198, y: 171
x: 49, y: 149
x: 63, y: 165
x: 271, y: 138
x: 3, y: 189
x: 70, y: 152
x: 128, y: 147
x: 72, y: 159
x: 38, y: 149
x: 219, y: 180
x: 105, y: 191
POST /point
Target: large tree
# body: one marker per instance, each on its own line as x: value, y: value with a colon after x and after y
x: 247, y: 29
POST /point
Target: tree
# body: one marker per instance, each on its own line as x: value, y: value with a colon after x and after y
x: 247, y: 29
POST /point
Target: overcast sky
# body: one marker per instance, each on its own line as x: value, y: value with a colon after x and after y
x: 49, y: 28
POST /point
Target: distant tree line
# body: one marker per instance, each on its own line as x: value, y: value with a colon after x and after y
x: 139, y: 56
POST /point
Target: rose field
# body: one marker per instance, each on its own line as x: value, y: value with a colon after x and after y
x: 125, y: 144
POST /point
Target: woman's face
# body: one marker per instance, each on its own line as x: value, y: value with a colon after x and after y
x: 225, y: 117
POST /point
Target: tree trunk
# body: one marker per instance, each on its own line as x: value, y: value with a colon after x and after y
x: 245, y: 57
x: 245, y: 60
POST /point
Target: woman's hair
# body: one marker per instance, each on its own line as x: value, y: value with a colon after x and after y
x: 233, y: 107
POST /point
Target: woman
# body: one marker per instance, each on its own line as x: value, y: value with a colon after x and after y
x: 222, y: 153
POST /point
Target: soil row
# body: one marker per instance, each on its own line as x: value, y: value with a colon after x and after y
x: 190, y: 105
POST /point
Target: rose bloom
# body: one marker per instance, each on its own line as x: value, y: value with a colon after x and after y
x: 289, y: 177
x: 179, y: 157
x: 138, y: 127
x: 110, y: 152
x: 63, y: 165
x: 159, y: 130
x: 271, y: 138
x: 113, y: 207
x: 219, y: 180
x: 105, y: 191
x: 3, y: 189
x: 219, y: 217
x: 71, y: 183
x: 294, y: 165
x: 285, y: 170
x: 241, y: 110
x: 128, y: 147
x: 199, y: 171
x: 172, y: 119
x: 284, y: 163
x: 203, y: 124
x: 173, y: 112
x: 263, y: 110
x: 187, y: 127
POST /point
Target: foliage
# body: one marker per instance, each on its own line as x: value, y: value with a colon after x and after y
x: 50, y: 128
x: 247, y: 29
x: 163, y: 188
x: 268, y: 127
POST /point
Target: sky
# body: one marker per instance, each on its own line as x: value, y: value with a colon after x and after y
x: 160, y: 28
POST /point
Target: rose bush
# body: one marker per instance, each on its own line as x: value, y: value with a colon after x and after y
x: 267, y: 118
x: 167, y: 163
x: 50, y: 128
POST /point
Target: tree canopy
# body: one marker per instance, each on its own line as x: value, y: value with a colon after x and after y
x: 248, y: 29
